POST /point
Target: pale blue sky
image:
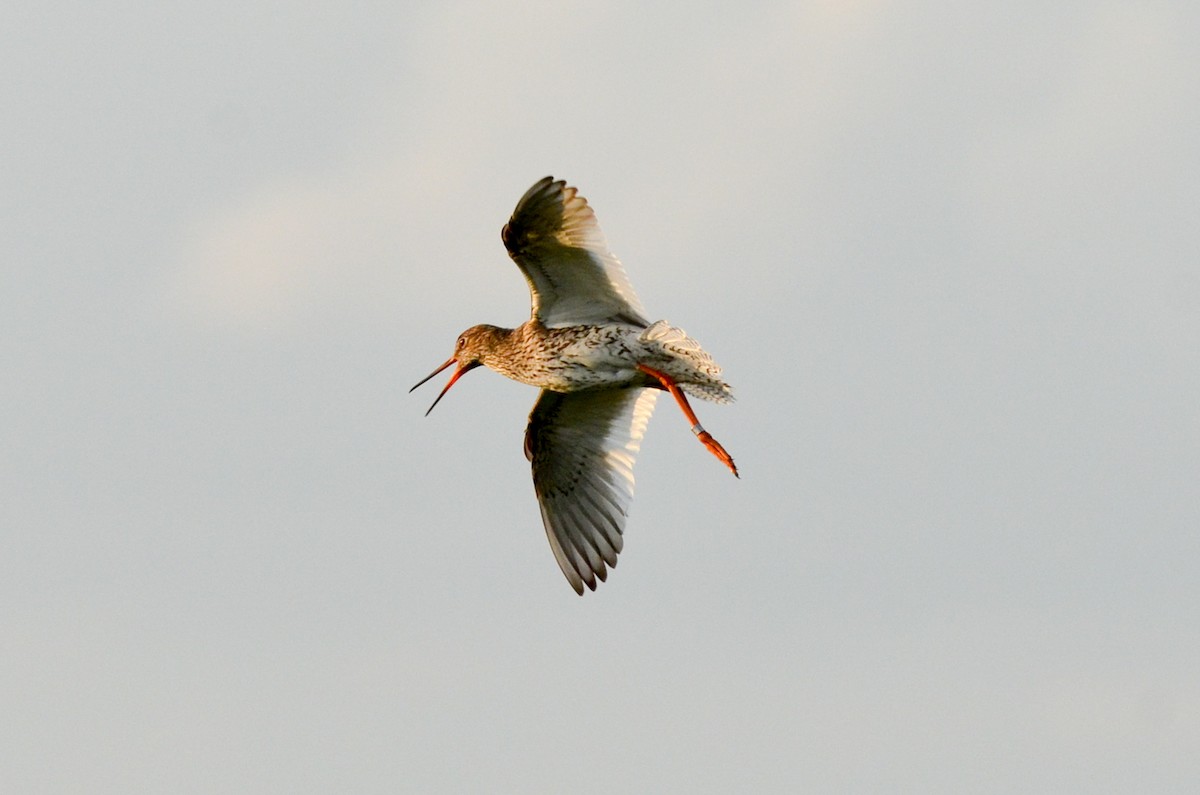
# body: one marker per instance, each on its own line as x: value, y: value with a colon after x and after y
x: 946, y: 253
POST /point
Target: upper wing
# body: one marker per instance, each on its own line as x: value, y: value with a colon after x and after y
x: 583, y: 445
x: 574, y: 279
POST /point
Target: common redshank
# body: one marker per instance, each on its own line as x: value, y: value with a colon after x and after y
x: 600, y: 365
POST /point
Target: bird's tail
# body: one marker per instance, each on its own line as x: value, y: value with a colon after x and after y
x: 703, y: 380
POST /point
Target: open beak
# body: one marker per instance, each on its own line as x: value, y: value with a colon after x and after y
x: 457, y: 375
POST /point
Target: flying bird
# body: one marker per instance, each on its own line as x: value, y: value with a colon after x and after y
x: 600, y: 365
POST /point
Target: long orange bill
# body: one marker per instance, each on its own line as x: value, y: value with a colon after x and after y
x: 457, y: 374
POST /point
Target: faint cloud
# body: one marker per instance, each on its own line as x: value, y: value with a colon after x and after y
x: 259, y: 261
x: 295, y: 249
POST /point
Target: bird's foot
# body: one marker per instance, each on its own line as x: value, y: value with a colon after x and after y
x: 716, y: 449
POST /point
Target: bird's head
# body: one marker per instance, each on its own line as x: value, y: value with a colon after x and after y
x: 470, y: 351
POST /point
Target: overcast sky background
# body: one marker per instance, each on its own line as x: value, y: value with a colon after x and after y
x: 947, y: 254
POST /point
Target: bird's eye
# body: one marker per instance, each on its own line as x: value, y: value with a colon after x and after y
x: 462, y: 343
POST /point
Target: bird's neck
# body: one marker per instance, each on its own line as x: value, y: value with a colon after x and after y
x: 511, y: 351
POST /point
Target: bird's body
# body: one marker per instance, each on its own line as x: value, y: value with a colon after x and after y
x: 574, y: 358
x: 599, y: 364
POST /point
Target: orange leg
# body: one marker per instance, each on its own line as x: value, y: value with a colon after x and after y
x: 704, y: 436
